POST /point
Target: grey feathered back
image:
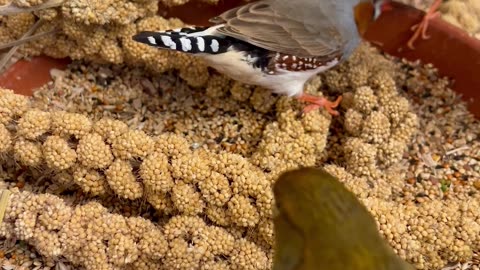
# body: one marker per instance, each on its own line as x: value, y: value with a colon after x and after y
x: 298, y: 27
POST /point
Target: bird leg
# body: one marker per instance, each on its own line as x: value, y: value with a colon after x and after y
x: 421, y: 28
x: 318, y: 102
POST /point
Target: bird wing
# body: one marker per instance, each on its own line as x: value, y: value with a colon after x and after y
x: 302, y: 28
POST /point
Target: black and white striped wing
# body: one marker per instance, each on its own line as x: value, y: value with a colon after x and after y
x: 188, y: 40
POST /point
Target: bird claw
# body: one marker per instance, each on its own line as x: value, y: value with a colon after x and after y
x: 318, y: 102
x: 420, y: 29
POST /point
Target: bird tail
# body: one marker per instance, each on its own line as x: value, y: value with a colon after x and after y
x: 195, y: 40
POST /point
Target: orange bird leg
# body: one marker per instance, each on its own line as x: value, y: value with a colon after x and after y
x: 318, y: 102
x: 421, y: 28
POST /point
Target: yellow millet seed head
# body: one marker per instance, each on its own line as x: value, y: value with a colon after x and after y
x: 109, y: 225
x: 240, y: 91
x: 7, y: 230
x: 93, y: 152
x: 289, y: 123
x: 335, y: 80
x: 358, y: 75
x: 183, y: 226
x: 405, y: 130
x: 25, y: 225
x: 361, y: 158
x: 264, y: 198
x: 180, y: 257
x: 190, y: 168
x: 11, y: 105
x: 246, y: 255
x: 391, y: 152
x: 238, y: 232
x: 70, y: 124
x: 313, y: 85
x: 193, y: 70
x: 316, y: 122
x: 219, y: 241
x: 110, y: 129
x: 5, y: 139
x: 17, y: 204
x: 58, y: 154
x: 153, y: 244
x: 376, y: 128
x: 462, y: 14
x: 48, y: 14
x: 33, y: 124
x: 47, y: 242
x: 122, y: 181
x: 353, y: 122
x: 172, y: 145
x: 215, y: 189
x: 63, y: 178
x: 230, y: 165
x: 160, y: 201
x: 155, y: 174
x: 111, y: 51
x: 359, y: 151
x: 262, y: 100
x: 90, y: 181
x: 19, y: 23
x: 132, y: 144
x: 384, y: 83
x: 358, y: 186
x: 186, y: 199
x: 93, y: 255
x: 396, y: 108
x: 138, y: 226
x: 54, y: 213
x: 265, y: 230
x: 145, y: 263
x: 218, y: 215
x: 364, y: 99
x: 215, y: 264
x: 122, y: 250
x: 217, y: 86
x: 243, y: 212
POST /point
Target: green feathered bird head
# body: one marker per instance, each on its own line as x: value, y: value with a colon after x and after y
x: 320, y: 224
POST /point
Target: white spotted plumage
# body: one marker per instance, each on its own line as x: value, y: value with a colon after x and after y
x: 214, y: 45
x: 152, y: 40
x: 167, y: 41
x: 190, y: 40
x: 201, y: 44
x: 186, y: 44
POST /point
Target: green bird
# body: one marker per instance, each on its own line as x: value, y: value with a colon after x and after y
x: 320, y: 224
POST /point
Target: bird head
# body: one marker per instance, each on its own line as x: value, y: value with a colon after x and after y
x: 366, y: 12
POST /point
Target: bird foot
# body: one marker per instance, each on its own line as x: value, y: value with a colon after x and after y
x: 318, y: 102
x: 420, y: 29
